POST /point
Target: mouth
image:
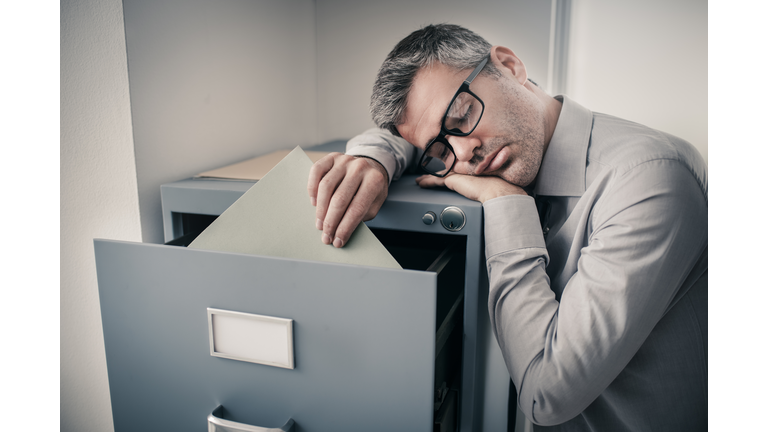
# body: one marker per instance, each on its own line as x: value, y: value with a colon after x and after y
x: 494, y: 161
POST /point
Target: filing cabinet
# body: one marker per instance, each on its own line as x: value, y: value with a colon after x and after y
x: 373, y: 348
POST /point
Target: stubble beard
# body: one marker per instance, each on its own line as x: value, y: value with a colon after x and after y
x: 522, y: 165
x: 523, y: 133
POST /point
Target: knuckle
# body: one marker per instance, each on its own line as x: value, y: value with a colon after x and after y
x: 323, y: 164
x: 343, y: 234
x: 354, y: 168
x: 357, y: 210
x: 340, y: 158
x: 372, y: 211
x: 325, y: 182
x: 339, y: 201
x: 379, y: 180
x: 330, y: 157
x: 328, y: 227
x: 358, y: 165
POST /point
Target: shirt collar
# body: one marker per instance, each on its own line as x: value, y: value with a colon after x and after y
x: 563, y: 168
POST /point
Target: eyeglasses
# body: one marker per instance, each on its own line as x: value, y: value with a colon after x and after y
x: 460, y: 119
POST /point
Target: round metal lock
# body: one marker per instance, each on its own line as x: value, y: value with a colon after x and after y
x: 453, y: 218
x: 429, y: 218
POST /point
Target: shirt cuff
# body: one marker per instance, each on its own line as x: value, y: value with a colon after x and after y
x: 511, y: 223
x: 380, y: 155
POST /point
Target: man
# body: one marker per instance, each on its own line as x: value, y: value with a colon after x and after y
x: 596, y: 229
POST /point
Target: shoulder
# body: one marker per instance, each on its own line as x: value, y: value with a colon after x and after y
x: 621, y: 146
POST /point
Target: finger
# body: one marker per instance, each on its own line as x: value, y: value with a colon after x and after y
x: 316, y: 173
x: 339, y: 205
x: 468, y: 185
x: 479, y: 188
x: 430, y: 181
x: 458, y: 182
x: 464, y: 184
x: 364, y: 205
x: 325, y: 192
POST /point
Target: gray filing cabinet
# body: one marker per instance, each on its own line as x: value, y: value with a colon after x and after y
x: 374, y: 348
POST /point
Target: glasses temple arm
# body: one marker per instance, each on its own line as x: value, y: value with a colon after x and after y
x: 477, y: 70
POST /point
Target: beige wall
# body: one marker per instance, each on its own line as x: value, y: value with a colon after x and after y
x: 645, y: 61
x: 214, y: 83
x: 99, y: 197
x: 354, y: 37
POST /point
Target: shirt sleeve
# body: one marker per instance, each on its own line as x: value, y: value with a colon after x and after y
x: 643, y: 235
x: 394, y: 153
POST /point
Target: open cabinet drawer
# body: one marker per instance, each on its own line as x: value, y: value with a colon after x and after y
x: 367, y: 341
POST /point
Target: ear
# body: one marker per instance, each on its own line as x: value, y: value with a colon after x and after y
x: 507, y: 62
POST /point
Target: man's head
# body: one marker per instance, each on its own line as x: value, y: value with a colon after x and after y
x: 419, y: 77
x: 447, y: 44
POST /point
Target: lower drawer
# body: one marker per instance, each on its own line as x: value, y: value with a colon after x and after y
x: 374, y: 347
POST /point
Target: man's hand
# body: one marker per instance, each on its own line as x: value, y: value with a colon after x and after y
x: 478, y: 188
x: 346, y: 191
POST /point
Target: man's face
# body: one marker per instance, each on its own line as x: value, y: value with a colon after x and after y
x: 508, y: 142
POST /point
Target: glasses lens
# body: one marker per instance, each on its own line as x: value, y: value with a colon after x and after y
x: 463, y: 114
x: 437, y: 159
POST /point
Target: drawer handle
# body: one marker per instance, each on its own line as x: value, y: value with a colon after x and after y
x: 218, y: 424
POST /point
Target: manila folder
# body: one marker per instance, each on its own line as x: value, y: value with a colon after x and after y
x: 275, y: 218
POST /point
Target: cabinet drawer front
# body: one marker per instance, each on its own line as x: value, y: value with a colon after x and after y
x: 363, y: 341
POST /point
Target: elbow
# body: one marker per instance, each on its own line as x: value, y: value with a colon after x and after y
x: 550, y: 405
x: 550, y: 393
x: 551, y: 418
x: 548, y: 413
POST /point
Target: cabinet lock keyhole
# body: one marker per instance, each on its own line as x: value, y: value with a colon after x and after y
x: 453, y: 218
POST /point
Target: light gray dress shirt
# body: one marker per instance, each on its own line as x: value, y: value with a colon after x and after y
x: 602, y: 321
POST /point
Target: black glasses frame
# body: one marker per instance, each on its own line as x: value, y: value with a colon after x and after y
x: 464, y: 88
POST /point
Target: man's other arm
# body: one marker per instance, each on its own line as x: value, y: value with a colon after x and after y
x: 643, y: 237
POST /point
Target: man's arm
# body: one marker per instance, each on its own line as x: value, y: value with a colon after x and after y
x: 641, y: 240
x: 348, y: 189
x: 394, y: 153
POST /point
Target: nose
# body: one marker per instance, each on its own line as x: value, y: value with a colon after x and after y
x: 464, y: 147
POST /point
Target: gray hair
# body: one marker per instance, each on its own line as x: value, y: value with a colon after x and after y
x: 448, y: 44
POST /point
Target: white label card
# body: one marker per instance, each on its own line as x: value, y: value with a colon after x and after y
x: 251, y: 338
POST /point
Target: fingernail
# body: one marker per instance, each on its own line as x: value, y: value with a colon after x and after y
x: 326, y: 239
x: 313, y: 201
x: 338, y: 243
x: 319, y: 224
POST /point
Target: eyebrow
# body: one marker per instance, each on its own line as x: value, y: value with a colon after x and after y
x: 438, y: 124
x: 439, y: 129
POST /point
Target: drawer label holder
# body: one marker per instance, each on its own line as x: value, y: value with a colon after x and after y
x: 251, y: 338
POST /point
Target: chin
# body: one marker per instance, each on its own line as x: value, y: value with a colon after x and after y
x: 518, y: 176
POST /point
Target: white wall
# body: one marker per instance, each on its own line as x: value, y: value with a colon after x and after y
x: 645, y: 61
x: 354, y: 37
x: 214, y: 83
x: 99, y: 197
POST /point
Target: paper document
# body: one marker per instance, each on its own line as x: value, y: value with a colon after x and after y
x: 275, y: 218
x: 255, y: 168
